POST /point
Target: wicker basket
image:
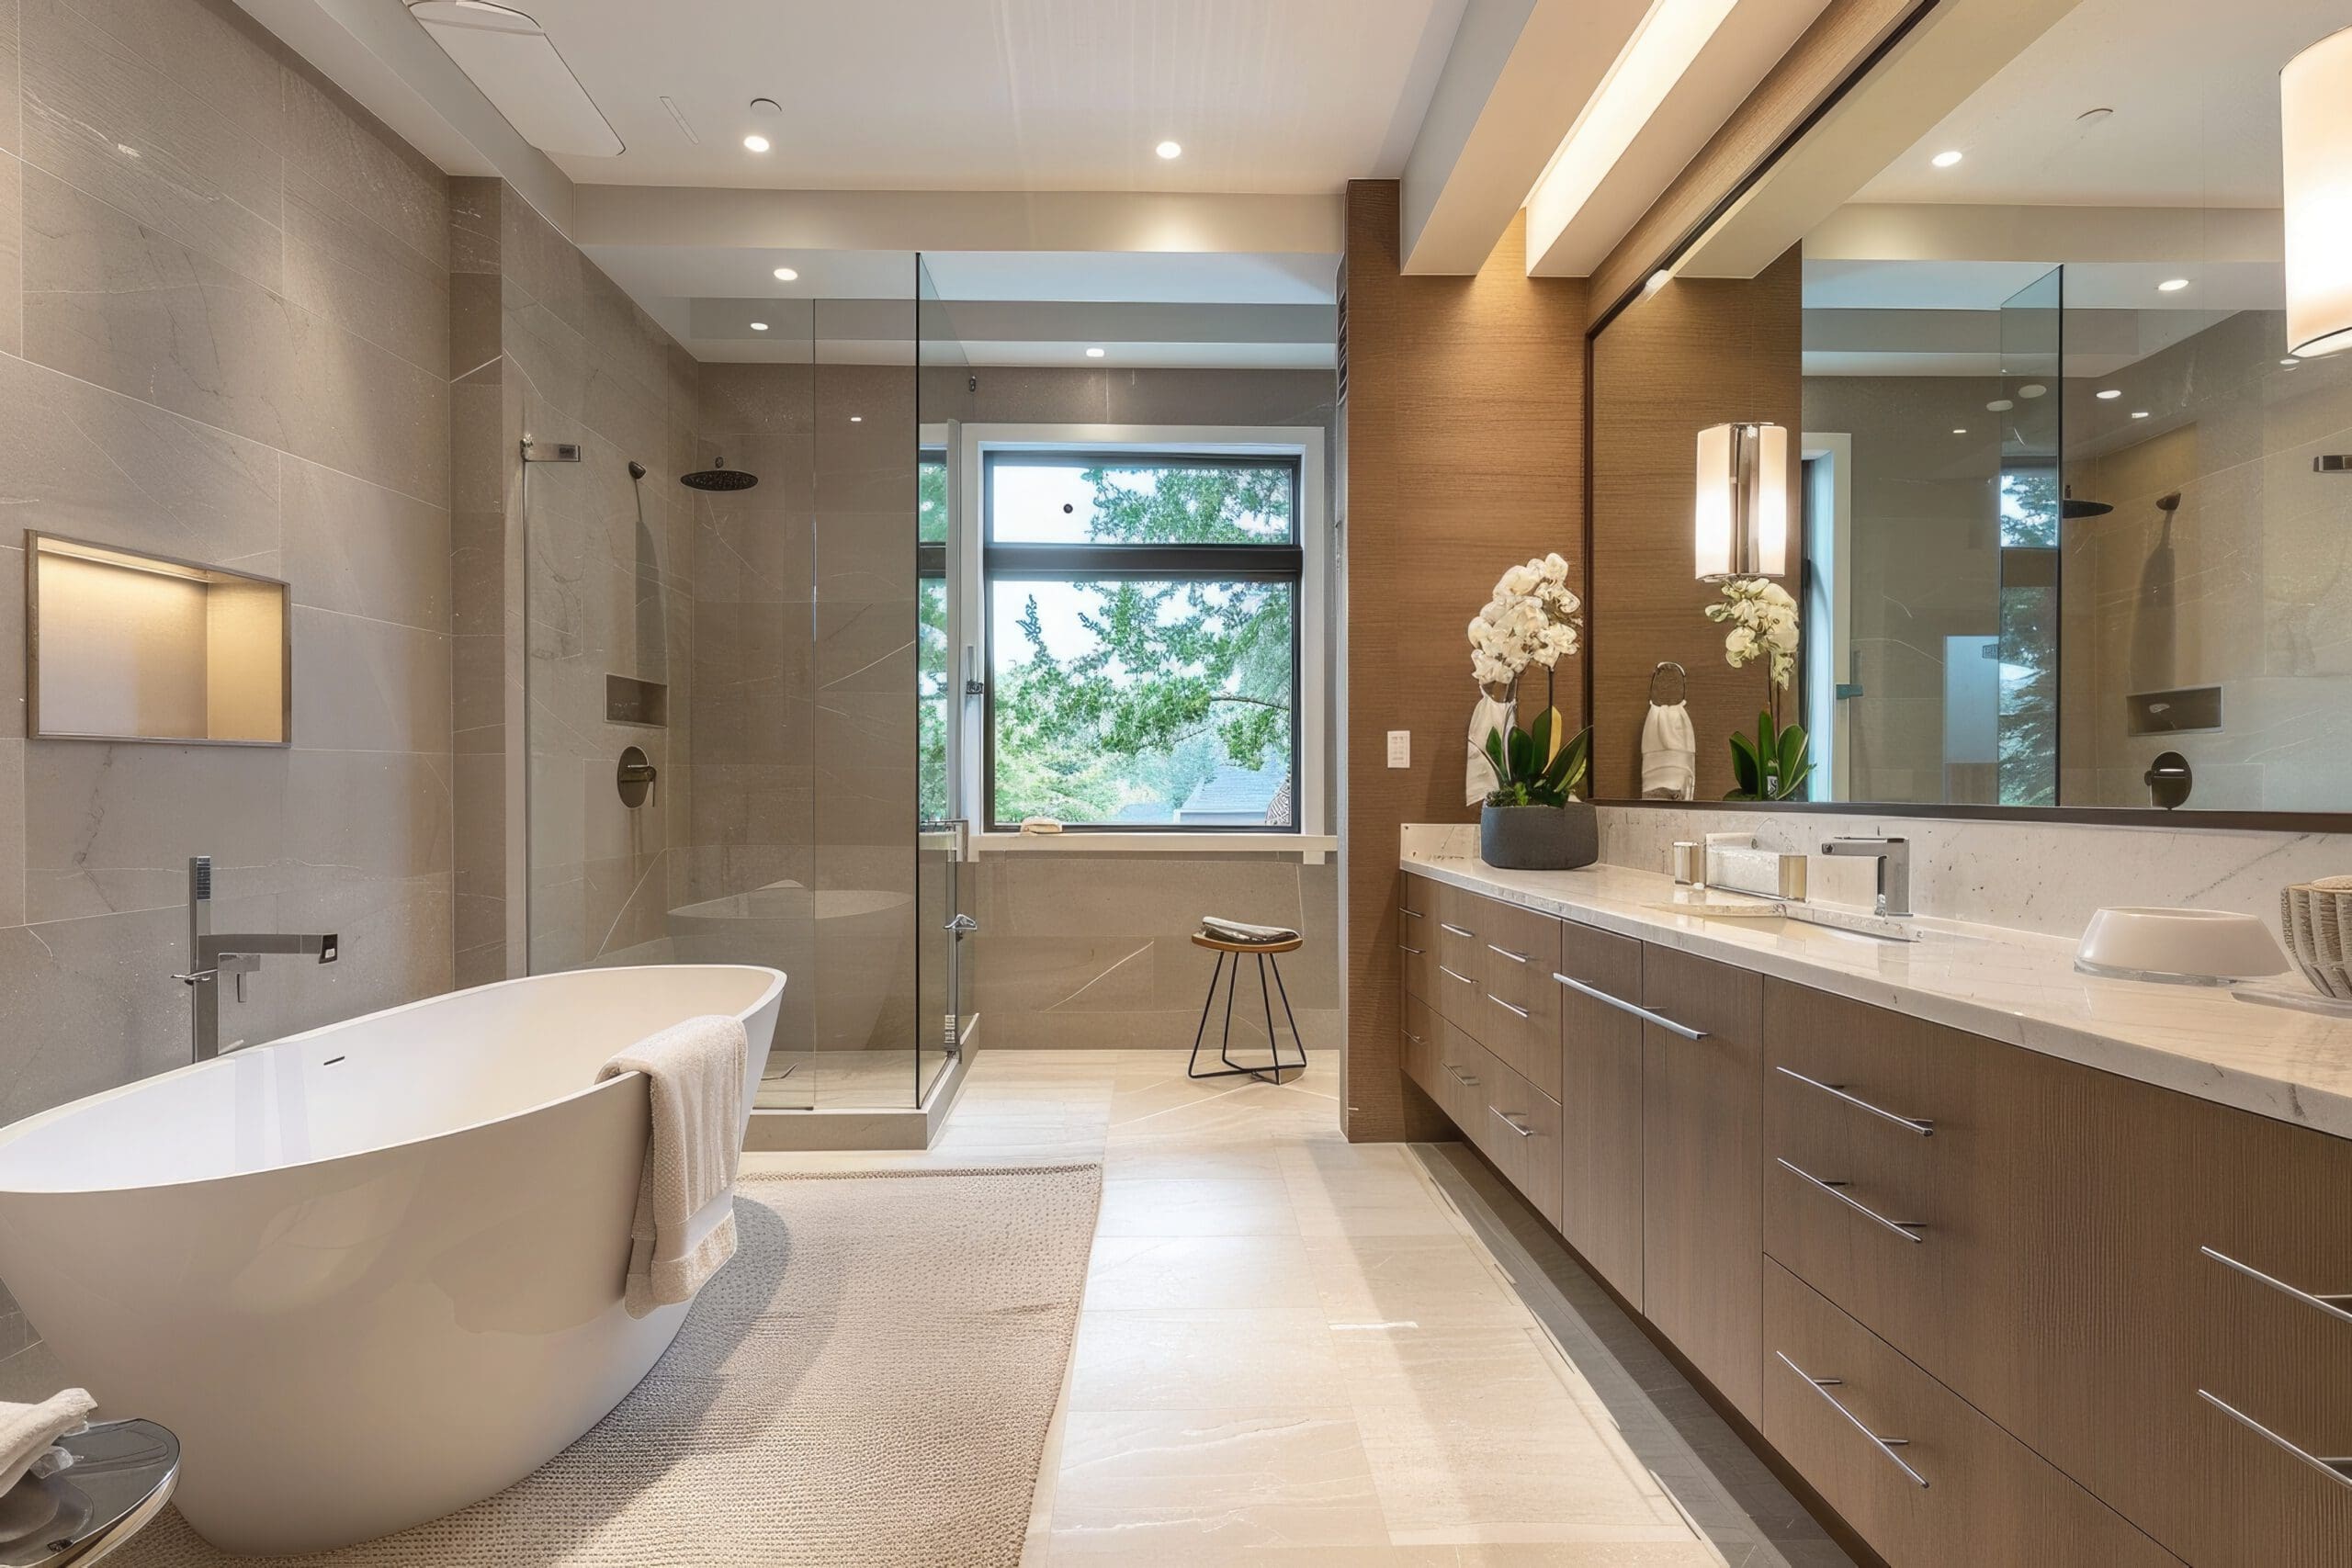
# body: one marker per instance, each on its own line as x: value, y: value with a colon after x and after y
x: 2315, y: 917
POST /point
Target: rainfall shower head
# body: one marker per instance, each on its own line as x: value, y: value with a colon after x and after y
x: 720, y: 477
x: 2075, y: 511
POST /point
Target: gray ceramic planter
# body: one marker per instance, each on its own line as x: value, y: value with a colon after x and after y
x: 1539, y: 838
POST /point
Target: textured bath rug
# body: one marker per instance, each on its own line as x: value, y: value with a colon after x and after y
x: 867, y: 1384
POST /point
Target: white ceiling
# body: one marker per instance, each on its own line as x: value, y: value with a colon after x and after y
x: 2194, y: 85
x: 1017, y: 94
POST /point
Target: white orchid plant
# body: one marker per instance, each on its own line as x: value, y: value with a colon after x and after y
x: 1533, y: 620
x: 1762, y: 616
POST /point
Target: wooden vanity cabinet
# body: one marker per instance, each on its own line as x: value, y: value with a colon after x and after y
x: 1417, y: 906
x: 1703, y: 1234
x: 1601, y: 1104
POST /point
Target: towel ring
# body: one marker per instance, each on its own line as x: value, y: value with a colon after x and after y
x: 1665, y: 665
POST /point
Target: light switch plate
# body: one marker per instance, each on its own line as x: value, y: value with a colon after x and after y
x: 1400, y: 748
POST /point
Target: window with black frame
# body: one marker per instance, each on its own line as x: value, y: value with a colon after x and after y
x: 1142, y: 612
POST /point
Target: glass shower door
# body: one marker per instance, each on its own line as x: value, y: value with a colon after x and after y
x: 941, y: 837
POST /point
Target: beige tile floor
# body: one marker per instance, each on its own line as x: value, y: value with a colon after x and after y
x: 1297, y: 1352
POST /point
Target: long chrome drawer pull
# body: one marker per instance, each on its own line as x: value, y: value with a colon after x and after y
x: 1452, y: 976
x: 1416, y: 952
x: 1885, y: 1445
x: 1414, y: 914
x: 1506, y: 953
x: 1457, y: 930
x: 1920, y: 1124
x: 1513, y: 1123
x: 2336, y: 1470
x: 1413, y: 1037
x: 1523, y: 1012
x: 1464, y: 1079
x: 2335, y: 1306
x: 1904, y: 1228
x: 1622, y: 1005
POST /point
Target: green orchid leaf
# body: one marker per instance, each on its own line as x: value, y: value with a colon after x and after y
x: 1746, y: 774
x: 1540, y: 734
x: 1792, y: 752
x: 1494, y: 756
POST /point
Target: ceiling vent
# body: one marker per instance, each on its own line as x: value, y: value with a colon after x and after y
x: 511, y: 60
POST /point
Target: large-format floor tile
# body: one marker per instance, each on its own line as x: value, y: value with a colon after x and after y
x: 1227, y: 1272
x: 1196, y: 1206
x: 1212, y: 1488
x: 1202, y: 1360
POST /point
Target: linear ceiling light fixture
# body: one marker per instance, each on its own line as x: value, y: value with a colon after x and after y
x: 1645, y: 70
x: 510, y: 57
x: 2315, y: 104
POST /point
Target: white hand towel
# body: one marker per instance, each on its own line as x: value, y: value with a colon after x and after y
x: 1670, y: 753
x: 27, y: 1432
x: 684, y: 1225
x: 1240, y: 931
x: 1485, y: 719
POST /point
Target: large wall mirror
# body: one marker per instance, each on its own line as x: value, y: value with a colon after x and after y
x: 2061, y: 525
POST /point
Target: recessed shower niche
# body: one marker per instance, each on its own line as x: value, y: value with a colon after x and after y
x: 121, y: 644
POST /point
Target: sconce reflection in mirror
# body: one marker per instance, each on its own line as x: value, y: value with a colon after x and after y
x: 2315, y: 135
x: 1742, y: 522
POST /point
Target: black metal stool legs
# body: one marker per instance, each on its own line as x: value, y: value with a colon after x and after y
x: 1275, y: 1065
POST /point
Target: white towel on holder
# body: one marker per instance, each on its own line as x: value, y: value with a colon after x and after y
x: 1670, y: 753
x: 28, y: 1434
x: 1485, y: 719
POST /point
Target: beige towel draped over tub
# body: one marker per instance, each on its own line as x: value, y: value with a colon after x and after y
x: 684, y: 1225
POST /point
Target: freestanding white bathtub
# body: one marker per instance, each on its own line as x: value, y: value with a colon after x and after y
x: 367, y: 1274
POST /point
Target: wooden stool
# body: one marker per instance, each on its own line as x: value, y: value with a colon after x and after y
x: 1265, y: 951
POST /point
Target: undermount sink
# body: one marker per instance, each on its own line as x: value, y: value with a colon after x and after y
x: 1775, y: 914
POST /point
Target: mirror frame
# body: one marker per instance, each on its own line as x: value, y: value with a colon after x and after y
x: 1732, y: 193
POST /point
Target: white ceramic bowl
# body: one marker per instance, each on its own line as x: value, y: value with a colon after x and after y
x: 2210, y: 947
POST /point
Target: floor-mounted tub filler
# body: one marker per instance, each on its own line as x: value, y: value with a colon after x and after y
x: 371, y: 1274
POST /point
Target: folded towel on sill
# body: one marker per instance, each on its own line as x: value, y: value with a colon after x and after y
x: 1670, y: 753
x: 1239, y: 931
x: 684, y: 1225
x: 28, y: 1434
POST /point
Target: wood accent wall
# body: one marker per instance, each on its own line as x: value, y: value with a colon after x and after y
x: 1462, y: 441
x: 1813, y: 70
x: 1699, y: 352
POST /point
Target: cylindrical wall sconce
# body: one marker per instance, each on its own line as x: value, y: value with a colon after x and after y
x: 2316, y: 101
x: 1742, y: 512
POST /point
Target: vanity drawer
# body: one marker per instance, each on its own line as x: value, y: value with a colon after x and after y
x: 1417, y: 1035
x: 1884, y: 1177
x: 1460, y: 956
x: 1923, y: 1477
x: 2270, y: 1297
x: 1521, y: 1133
x: 1417, y: 919
x: 1463, y: 1071
x: 1521, y: 1021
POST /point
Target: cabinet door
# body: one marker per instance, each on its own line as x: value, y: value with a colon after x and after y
x: 1703, y: 1235
x: 1461, y: 959
x: 1522, y: 1134
x: 1521, y: 1021
x: 1600, y: 1104
x: 1416, y: 951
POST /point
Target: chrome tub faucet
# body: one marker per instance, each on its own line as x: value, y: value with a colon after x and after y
x: 212, y: 955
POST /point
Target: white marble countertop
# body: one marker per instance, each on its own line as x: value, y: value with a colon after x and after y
x: 2009, y: 986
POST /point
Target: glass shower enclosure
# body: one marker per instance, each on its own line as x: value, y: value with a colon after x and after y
x: 730, y: 635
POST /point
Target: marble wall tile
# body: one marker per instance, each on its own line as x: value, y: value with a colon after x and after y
x: 112, y: 302
x: 214, y: 52
x: 12, y: 255
x: 369, y: 685
x: 12, y: 833
x: 11, y: 77
x: 343, y: 268
x: 363, y: 550
x: 347, y: 150
x: 130, y: 133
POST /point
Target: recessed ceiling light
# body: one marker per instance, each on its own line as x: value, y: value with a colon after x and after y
x: 1946, y: 160
x: 2290, y: 361
x: 2139, y: 414
x: 785, y: 274
x: 1960, y: 431
x: 2031, y: 390
x: 755, y: 142
x: 2111, y: 394
x: 2172, y: 286
x: 1093, y: 354
x: 759, y: 326
x: 1657, y: 280
x: 857, y: 419
x: 1169, y: 149
x: 1999, y: 405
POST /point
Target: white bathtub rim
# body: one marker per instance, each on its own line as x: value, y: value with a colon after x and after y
x: 17, y: 1129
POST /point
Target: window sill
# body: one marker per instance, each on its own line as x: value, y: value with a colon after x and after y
x: 1310, y: 847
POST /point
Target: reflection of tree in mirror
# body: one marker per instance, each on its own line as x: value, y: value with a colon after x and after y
x: 2029, y: 506
x: 931, y: 703
x: 1165, y: 686
x: 2029, y: 698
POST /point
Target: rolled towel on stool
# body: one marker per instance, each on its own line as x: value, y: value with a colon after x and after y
x: 1240, y: 931
x: 29, y: 1432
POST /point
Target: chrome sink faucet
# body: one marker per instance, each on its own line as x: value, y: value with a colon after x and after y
x: 1894, y: 857
x: 211, y: 956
